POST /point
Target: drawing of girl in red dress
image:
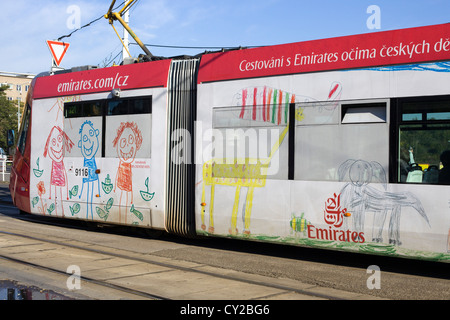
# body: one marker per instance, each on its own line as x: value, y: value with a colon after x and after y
x: 57, y: 144
x: 128, y: 141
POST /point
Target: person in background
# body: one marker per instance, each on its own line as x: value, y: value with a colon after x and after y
x: 444, y: 173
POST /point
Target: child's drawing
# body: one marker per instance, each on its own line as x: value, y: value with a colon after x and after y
x: 37, y: 172
x: 89, y: 145
x: 238, y: 174
x: 57, y: 144
x: 259, y: 104
x: 128, y: 141
x: 107, y: 186
x: 41, y: 192
x: 359, y: 197
x: 59, y: 105
x: 299, y: 224
x: 146, y: 195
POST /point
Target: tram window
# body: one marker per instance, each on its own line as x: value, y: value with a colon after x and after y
x: 113, y: 107
x: 117, y: 107
x: 425, y: 111
x: 21, y: 142
x: 83, y: 109
x: 93, y: 109
x: 328, y: 134
x: 105, y: 117
x: 317, y: 113
x: 253, y: 139
x: 134, y: 114
x: 249, y: 116
x: 129, y: 106
x: 364, y: 113
x: 73, y: 110
x: 321, y: 150
x: 423, y: 135
x: 140, y: 106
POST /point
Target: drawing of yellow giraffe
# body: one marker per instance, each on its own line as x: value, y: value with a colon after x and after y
x: 264, y: 105
x: 248, y: 172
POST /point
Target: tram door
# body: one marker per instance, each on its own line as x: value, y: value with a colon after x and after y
x: 180, y: 171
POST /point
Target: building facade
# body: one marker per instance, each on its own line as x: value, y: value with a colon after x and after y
x: 17, y: 83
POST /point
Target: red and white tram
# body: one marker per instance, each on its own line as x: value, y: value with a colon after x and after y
x: 336, y: 143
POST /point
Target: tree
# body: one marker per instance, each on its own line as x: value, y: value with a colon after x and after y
x: 8, y: 117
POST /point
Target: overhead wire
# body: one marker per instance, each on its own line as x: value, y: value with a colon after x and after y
x: 88, y: 24
x: 133, y: 7
x: 195, y: 47
x: 106, y: 62
x: 181, y: 47
x: 113, y: 59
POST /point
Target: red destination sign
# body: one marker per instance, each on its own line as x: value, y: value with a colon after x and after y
x: 134, y: 76
x: 403, y: 46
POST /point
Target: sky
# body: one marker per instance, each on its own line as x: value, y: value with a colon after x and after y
x: 26, y: 25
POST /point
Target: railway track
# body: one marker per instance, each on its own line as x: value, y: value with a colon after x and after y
x: 129, y: 266
x: 34, y: 253
x: 143, y: 276
x: 105, y: 284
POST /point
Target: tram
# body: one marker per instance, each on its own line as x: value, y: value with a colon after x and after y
x: 337, y: 144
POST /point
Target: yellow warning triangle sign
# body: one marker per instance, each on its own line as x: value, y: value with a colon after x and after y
x: 58, y: 50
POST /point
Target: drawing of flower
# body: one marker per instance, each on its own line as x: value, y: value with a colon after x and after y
x: 41, y: 188
x: 41, y: 191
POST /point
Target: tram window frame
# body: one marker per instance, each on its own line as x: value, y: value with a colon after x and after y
x: 416, y: 115
x: 129, y: 106
x: 325, y: 139
x: 85, y: 109
x: 235, y: 129
x: 371, y: 112
x: 141, y: 105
